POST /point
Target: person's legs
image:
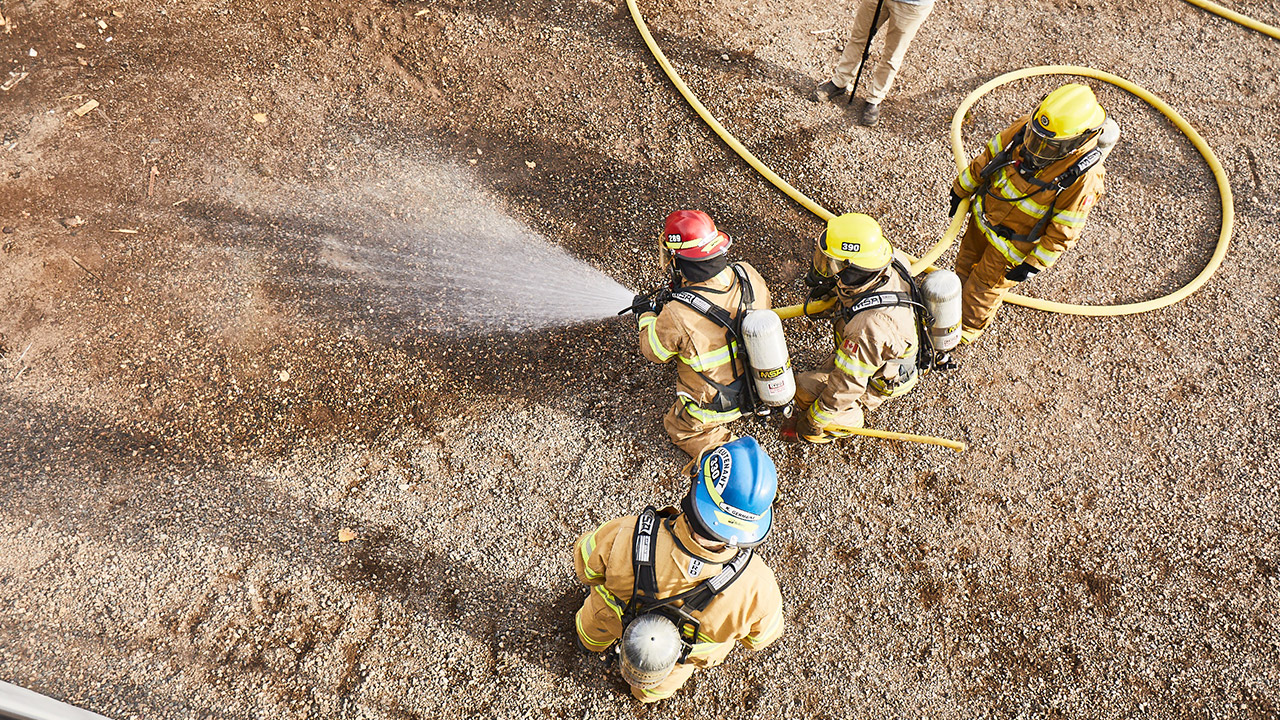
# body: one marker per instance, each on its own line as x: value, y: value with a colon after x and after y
x: 847, y: 67
x: 972, y: 245
x: 693, y: 435
x: 984, y: 291
x: 904, y: 21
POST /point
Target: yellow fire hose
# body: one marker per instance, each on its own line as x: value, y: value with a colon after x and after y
x: 926, y: 439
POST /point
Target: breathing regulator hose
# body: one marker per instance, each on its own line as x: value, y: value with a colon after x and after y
x: 961, y: 160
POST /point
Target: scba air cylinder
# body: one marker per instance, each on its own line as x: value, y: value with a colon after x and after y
x: 768, y: 357
x: 941, y: 291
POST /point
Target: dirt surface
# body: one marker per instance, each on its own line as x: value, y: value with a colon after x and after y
x: 190, y: 413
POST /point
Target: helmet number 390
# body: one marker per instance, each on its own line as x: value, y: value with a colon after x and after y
x: 851, y: 247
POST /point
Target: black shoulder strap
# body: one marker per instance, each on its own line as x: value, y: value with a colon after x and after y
x: 644, y: 591
x: 706, y: 308
x: 711, y: 587
x: 748, y: 292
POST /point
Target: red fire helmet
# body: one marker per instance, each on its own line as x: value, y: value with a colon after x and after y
x: 692, y: 235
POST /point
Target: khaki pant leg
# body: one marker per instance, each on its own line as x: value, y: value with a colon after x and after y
x: 984, y: 290
x: 972, y: 245
x: 809, y: 387
x: 847, y: 67
x: 680, y: 675
x: 692, y: 435
x: 597, y: 624
x: 904, y: 20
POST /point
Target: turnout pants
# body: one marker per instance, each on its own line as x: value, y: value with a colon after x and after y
x: 981, y: 268
x: 692, y: 435
x: 901, y: 20
x: 809, y: 387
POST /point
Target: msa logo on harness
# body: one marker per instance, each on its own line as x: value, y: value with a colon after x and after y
x: 867, y: 303
x: 851, y: 247
x: 693, y: 300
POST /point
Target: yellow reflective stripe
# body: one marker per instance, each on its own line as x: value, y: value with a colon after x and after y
x: 586, y: 548
x: 853, y: 367
x: 1048, y: 257
x: 902, y: 389
x: 819, y: 418
x: 995, y: 145
x: 1007, y: 192
x: 706, y: 361
x: 658, y: 349
x: 1010, y: 253
x: 614, y: 603
x: 700, y: 413
x: 647, y: 320
x: 1071, y: 218
x: 773, y: 630
x: 585, y: 638
x: 967, y: 182
x: 658, y: 694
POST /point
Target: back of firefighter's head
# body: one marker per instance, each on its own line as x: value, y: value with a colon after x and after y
x: 857, y: 248
x: 691, y: 241
x: 1062, y: 123
x: 731, y: 497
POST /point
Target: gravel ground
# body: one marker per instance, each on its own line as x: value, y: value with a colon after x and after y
x: 190, y: 414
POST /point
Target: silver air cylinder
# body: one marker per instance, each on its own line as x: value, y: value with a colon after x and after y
x: 767, y: 355
x: 1109, y: 137
x: 941, y: 291
x: 649, y: 650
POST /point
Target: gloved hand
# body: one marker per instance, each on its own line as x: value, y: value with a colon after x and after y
x: 955, y: 203
x: 641, y: 304
x: 1022, y: 273
x: 819, y: 286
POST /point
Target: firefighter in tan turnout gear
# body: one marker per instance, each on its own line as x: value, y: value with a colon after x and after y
x: 1032, y: 188
x: 688, y: 326
x: 877, y: 335
x: 693, y: 572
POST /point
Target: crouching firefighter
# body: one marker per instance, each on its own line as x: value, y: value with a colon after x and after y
x: 882, y: 338
x: 1032, y: 188
x: 676, y: 589
x: 697, y: 320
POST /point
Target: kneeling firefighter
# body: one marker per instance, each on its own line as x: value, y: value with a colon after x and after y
x: 1032, y: 188
x: 699, y: 320
x: 679, y: 588
x: 887, y: 331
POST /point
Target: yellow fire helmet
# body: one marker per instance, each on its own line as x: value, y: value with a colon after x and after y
x: 856, y: 239
x: 1062, y: 123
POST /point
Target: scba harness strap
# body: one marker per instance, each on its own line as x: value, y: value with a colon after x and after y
x: 927, y: 357
x: 1068, y: 178
x: 644, y: 590
x: 739, y: 394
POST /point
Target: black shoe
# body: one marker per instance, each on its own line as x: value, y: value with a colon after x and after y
x: 829, y: 91
x: 870, y: 114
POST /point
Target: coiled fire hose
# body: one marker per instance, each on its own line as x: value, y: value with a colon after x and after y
x: 961, y: 160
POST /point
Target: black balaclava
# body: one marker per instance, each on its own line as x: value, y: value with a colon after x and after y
x: 700, y: 271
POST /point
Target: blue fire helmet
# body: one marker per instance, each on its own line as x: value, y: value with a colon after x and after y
x: 732, y: 494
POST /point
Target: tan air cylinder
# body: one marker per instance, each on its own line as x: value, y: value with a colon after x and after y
x: 1109, y: 137
x: 767, y: 356
x: 941, y: 292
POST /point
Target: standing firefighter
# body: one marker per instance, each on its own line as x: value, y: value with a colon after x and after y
x: 1032, y: 189
x: 712, y: 386
x: 878, y: 332
x: 679, y: 588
